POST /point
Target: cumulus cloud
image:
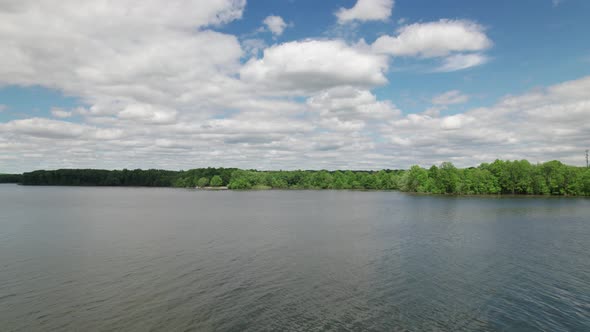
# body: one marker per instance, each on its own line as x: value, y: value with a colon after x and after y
x: 541, y: 125
x: 275, y: 24
x: 60, y: 113
x: 342, y: 127
x: 350, y: 109
x: 314, y: 65
x: 130, y: 52
x: 148, y: 114
x: 56, y: 129
x: 366, y: 10
x: 253, y: 46
x: 40, y: 127
x: 452, y: 39
x: 434, y: 39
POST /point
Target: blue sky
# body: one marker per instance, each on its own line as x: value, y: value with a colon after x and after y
x: 291, y: 84
x: 536, y: 43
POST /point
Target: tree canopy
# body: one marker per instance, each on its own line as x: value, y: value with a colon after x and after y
x: 216, y: 181
x: 10, y: 178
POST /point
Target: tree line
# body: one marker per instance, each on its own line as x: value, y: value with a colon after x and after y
x: 10, y: 178
x: 517, y: 177
x: 100, y: 177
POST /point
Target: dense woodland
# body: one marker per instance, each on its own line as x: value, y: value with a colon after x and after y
x: 10, y: 178
x: 499, y: 177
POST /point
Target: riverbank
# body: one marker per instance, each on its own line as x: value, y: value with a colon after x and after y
x: 268, y: 188
x: 212, y: 188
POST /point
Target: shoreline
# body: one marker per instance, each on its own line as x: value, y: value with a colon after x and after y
x: 225, y: 188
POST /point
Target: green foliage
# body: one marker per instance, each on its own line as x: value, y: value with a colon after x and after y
x: 98, y: 177
x: 10, y: 178
x: 517, y: 177
x: 190, y: 178
x: 416, y: 180
x: 216, y: 181
x: 240, y: 180
x: 478, y: 181
x: 203, y: 182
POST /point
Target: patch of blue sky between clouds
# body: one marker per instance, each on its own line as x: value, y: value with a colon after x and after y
x: 36, y: 101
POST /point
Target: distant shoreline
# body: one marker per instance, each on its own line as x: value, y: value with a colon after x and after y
x: 499, y: 178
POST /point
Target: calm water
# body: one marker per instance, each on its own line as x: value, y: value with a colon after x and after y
x: 133, y: 259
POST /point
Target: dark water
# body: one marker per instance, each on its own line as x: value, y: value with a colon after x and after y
x: 132, y: 259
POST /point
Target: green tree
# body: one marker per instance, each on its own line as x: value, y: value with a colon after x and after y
x: 202, y: 182
x: 415, y: 179
x: 278, y: 182
x: 216, y: 181
x: 449, y: 177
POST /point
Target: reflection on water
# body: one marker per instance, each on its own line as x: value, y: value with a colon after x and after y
x: 133, y: 259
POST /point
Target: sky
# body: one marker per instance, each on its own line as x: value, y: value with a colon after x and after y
x: 292, y: 84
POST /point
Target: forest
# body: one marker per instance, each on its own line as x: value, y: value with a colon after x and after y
x: 10, y: 178
x: 518, y: 177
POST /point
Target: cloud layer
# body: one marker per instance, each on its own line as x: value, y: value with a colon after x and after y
x: 342, y: 127
x: 541, y: 125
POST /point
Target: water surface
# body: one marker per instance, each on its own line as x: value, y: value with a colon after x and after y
x: 139, y: 259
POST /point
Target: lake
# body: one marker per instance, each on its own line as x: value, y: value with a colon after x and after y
x: 149, y: 259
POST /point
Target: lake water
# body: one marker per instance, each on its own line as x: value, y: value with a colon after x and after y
x: 138, y: 259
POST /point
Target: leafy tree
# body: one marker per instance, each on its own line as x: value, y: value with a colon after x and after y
x: 203, y: 182
x: 216, y: 181
x: 279, y: 183
x: 240, y: 183
x: 415, y: 179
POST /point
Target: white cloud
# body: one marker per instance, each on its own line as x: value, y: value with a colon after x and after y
x: 343, y: 127
x: 161, y: 89
x: 275, y: 24
x: 434, y: 39
x: 442, y: 102
x: 60, y: 113
x: 450, y: 98
x: 350, y: 109
x: 541, y: 125
x: 148, y: 114
x: 456, y: 121
x: 314, y: 65
x: 58, y: 130
x: 366, y: 10
x: 131, y: 52
x: 254, y: 46
x: 462, y: 61
x: 452, y: 39
x: 45, y: 128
